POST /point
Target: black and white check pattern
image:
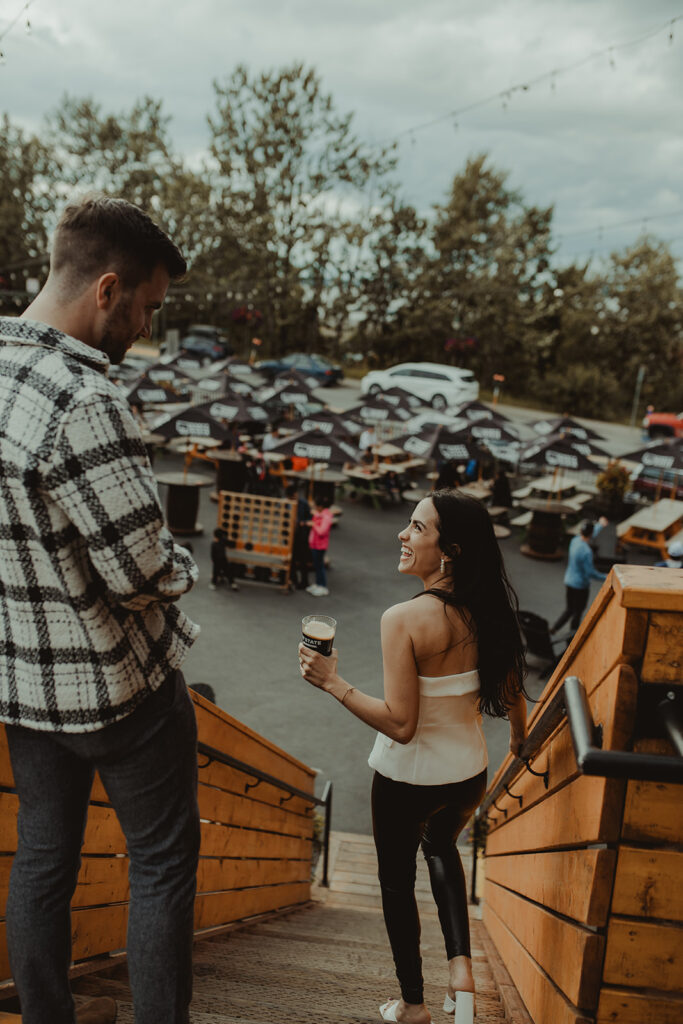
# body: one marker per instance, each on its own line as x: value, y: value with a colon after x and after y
x: 89, y: 573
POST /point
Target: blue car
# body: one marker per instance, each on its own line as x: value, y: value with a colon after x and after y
x: 325, y: 372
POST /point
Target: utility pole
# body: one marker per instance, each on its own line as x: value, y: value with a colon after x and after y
x: 636, y: 397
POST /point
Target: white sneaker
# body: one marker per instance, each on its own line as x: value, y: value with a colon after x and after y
x: 312, y: 589
x: 212, y: 586
x: 321, y: 591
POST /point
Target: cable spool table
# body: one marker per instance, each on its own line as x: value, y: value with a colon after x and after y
x: 182, y: 501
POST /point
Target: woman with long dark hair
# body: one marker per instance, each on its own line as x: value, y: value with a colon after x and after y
x: 451, y: 654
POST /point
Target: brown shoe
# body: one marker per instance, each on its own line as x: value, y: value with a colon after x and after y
x: 97, y: 1011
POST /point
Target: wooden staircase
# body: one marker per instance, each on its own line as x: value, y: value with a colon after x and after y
x: 328, y: 963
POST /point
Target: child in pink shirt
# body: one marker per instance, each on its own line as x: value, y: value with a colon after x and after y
x: 318, y: 541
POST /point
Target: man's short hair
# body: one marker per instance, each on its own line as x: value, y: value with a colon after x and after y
x: 101, y: 234
x: 587, y: 528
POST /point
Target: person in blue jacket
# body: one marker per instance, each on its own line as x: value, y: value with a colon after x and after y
x: 580, y: 571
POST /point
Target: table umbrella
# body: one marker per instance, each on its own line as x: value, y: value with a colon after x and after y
x: 330, y: 423
x: 556, y: 453
x: 194, y: 422
x: 438, y: 442
x: 295, y: 378
x: 483, y: 430
x: 375, y: 410
x: 398, y: 396
x: 289, y: 392
x: 159, y: 386
x: 565, y: 425
x: 660, y: 455
x: 318, y: 447
x: 478, y: 411
x: 234, y: 408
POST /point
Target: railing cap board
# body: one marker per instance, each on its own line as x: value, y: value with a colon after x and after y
x: 207, y: 705
x: 639, y: 588
x: 645, y: 586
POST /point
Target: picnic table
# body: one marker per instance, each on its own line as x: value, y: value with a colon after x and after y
x: 654, y: 527
x: 366, y: 479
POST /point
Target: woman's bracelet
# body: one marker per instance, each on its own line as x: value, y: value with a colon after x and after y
x: 346, y: 693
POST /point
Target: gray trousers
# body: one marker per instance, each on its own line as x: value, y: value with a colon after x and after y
x: 148, y: 764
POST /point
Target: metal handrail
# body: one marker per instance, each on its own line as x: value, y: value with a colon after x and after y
x: 620, y: 764
x: 325, y: 801
x: 570, y: 701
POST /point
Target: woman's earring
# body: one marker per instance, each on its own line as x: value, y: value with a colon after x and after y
x: 443, y: 565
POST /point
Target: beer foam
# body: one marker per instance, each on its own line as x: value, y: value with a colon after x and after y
x: 318, y: 630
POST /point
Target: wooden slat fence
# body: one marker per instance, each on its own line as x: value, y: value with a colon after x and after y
x: 584, y: 879
x: 255, y: 852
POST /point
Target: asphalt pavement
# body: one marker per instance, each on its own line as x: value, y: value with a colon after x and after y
x: 247, y: 649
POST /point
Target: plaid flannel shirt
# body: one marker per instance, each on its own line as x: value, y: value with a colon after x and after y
x: 89, y: 573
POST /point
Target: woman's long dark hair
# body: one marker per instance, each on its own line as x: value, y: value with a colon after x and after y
x: 480, y: 588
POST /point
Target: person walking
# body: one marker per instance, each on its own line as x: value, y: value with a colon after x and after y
x: 580, y: 571
x: 319, y: 541
x: 92, y: 637
x: 450, y: 654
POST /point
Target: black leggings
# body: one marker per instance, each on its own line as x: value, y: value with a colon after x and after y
x: 404, y: 817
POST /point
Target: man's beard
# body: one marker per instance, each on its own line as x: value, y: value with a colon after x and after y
x: 116, y: 334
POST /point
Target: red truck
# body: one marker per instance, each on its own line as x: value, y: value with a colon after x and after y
x: 663, y: 424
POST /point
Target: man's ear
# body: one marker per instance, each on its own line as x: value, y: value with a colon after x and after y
x: 107, y: 290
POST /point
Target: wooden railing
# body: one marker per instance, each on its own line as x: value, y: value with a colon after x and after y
x: 583, y: 894
x: 256, y: 841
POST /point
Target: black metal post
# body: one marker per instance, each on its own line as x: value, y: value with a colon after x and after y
x: 327, y: 800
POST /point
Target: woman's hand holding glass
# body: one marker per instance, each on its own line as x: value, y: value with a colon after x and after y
x: 316, y: 669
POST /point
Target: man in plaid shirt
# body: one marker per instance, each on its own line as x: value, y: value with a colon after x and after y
x: 91, y: 638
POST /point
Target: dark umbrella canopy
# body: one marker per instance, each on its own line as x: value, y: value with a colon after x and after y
x: 556, y: 453
x: 330, y: 423
x: 399, y: 397
x: 145, y: 393
x: 234, y: 409
x: 566, y: 425
x: 318, y: 447
x: 375, y: 410
x: 438, y: 443
x: 482, y: 430
x: 159, y: 385
x: 478, y: 411
x: 193, y: 422
x: 295, y: 378
x: 661, y: 455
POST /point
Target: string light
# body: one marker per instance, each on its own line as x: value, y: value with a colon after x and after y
x: 12, y: 24
x: 505, y: 95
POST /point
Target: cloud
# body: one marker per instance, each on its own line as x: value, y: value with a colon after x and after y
x: 603, y: 145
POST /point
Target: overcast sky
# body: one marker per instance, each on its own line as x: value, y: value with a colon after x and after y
x: 603, y: 142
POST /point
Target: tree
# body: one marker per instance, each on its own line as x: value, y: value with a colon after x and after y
x: 292, y: 175
x: 25, y: 202
x: 491, y: 260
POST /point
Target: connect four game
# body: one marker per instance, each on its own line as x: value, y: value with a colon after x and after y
x: 259, y: 535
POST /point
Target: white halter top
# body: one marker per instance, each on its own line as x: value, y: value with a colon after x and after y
x: 448, y: 745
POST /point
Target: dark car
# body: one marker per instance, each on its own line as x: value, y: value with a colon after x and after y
x: 207, y: 343
x: 312, y: 365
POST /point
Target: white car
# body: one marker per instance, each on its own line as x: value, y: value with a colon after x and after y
x: 436, y: 383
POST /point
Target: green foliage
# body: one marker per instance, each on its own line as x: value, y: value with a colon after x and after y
x: 295, y: 231
x: 614, y: 481
x: 582, y: 390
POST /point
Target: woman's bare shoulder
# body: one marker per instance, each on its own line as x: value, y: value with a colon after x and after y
x: 415, y: 610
